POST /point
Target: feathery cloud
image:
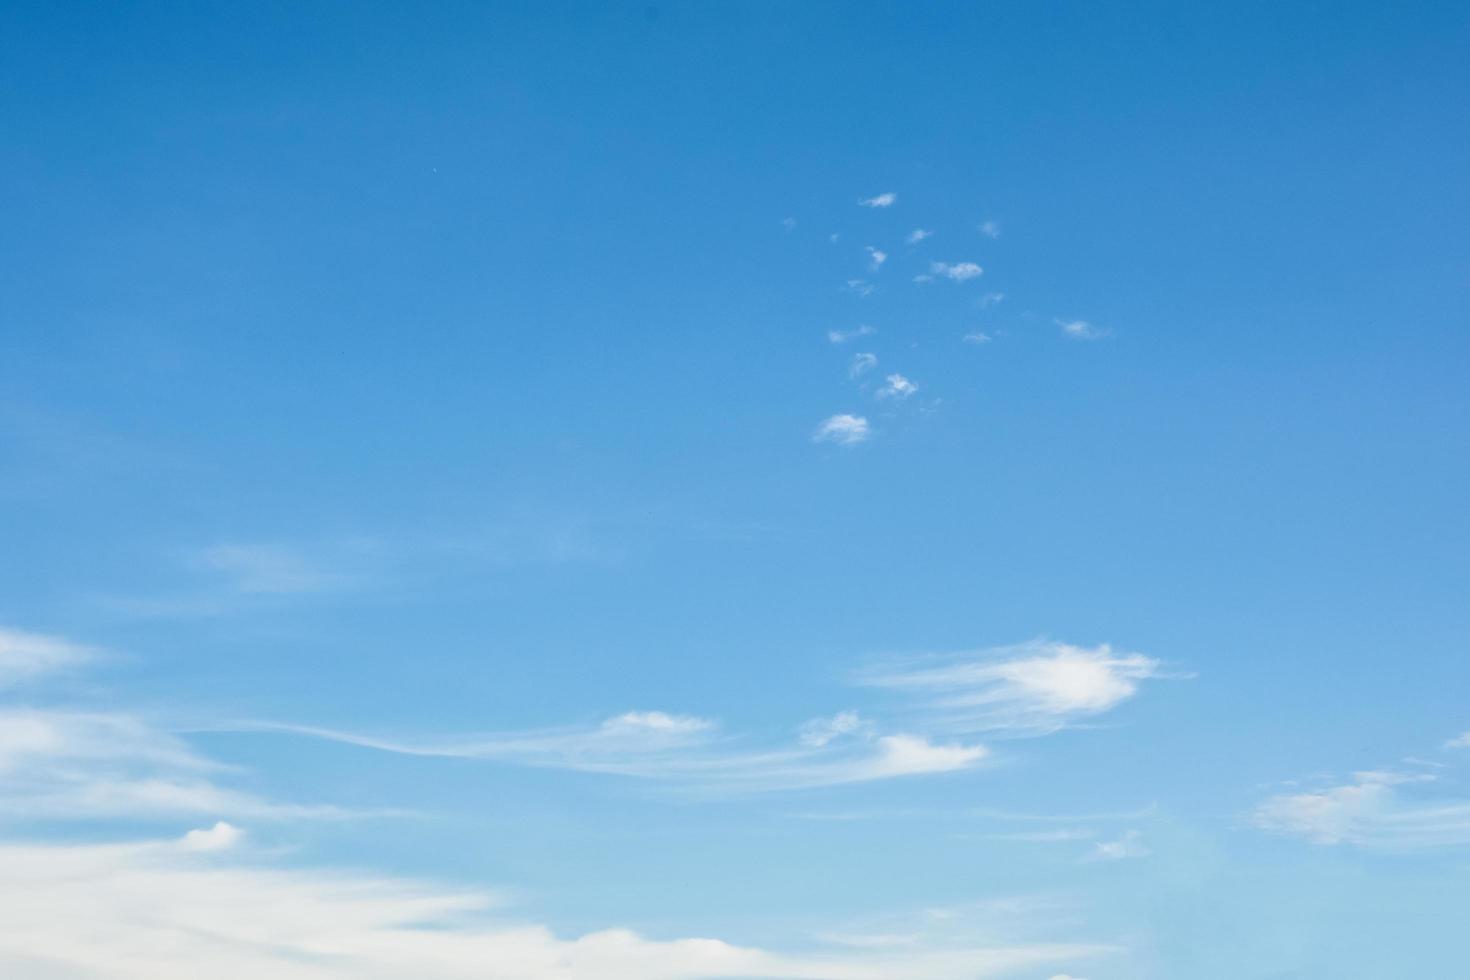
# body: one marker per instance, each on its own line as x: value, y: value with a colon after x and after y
x: 918, y: 235
x: 977, y: 337
x: 1459, y: 742
x: 845, y: 430
x: 885, y: 200
x: 26, y: 656
x: 956, y: 271
x: 1372, y: 811
x: 897, y: 386
x: 1035, y: 687
x: 860, y: 287
x: 861, y: 364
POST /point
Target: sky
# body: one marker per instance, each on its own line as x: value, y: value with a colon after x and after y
x: 665, y: 491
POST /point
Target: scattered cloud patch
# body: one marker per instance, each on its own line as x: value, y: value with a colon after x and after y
x: 1459, y: 742
x: 861, y: 364
x: 990, y: 229
x: 956, y: 271
x: 820, y: 731
x: 990, y: 299
x: 1375, y: 810
x: 1125, y: 847
x: 977, y: 337
x: 918, y: 235
x: 860, y: 287
x: 1081, y: 330
x: 843, y: 336
x: 898, y: 387
x: 1035, y: 687
x: 886, y: 200
x: 876, y: 258
x: 27, y: 656
x: 845, y: 430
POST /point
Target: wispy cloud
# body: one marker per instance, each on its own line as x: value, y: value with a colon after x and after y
x: 876, y: 258
x: 860, y: 287
x: 918, y: 235
x: 265, y: 569
x: 158, y: 910
x: 898, y: 387
x: 990, y: 229
x: 845, y: 430
x: 861, y: 364
x: 990, y: 299
x: 956, y: 271
x: 1459, y: 742
x: 886, y: 200
x: 976, y: 337
x: 843, y: 336
x: 1082, y: 330
x: 1376, y: 809
x: 1034, y: 687
x: 1129, y: 845
x: 27, y: 656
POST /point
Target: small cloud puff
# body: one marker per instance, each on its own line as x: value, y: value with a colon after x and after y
x: 877, y: 257
x: 989, y: 299
x: 845, y: 430
x: 1081, y: 330
x: 861, y: 364
x: 990, y: 229
x: 221, y: 837
x: 918, y: 235
x: 885, y: 200
x: 956, y: 271
x: 897, y: 387
x: 843, y: 336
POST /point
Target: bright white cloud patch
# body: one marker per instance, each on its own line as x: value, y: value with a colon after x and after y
x: 25, y: 656
x: 153, y: 911
x: 1039, y: 686
x: 898, y: 387
x: 1376, y: 809
x: 918, y: 235
x: 221, y: 837
x: 1081, y: 330
x: 845, y: 430
x: 886, y: 200
x: 876, y: 258
x: 861, y: 364
x: 956, y: 271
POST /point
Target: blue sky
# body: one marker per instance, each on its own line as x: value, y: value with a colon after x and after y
x: 829, y: 491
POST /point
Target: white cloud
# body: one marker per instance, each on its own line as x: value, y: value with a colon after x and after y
x: 221, y: 837
x: 154, y: 911
x: 918, y: 235
x: 1081, y: 330
x: 977, y: 337
x: 845, y: 430
x: 957, y: 271
x: 1459, y: 742
x: 861, y: 364
x: 1371, y: 811
x: 820, y: 731
x: 897, y: 386
x: 879, y: 201
x: 990, y: 299
x: 843, y: 336
x: 82, y: 766
x: 1125, y: 847
x: 990, y: 229
x: 26, y: 656
x: 657, y: 723
x: 876, y: 257
x: 1038, y: 686
x: 860, y: 287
